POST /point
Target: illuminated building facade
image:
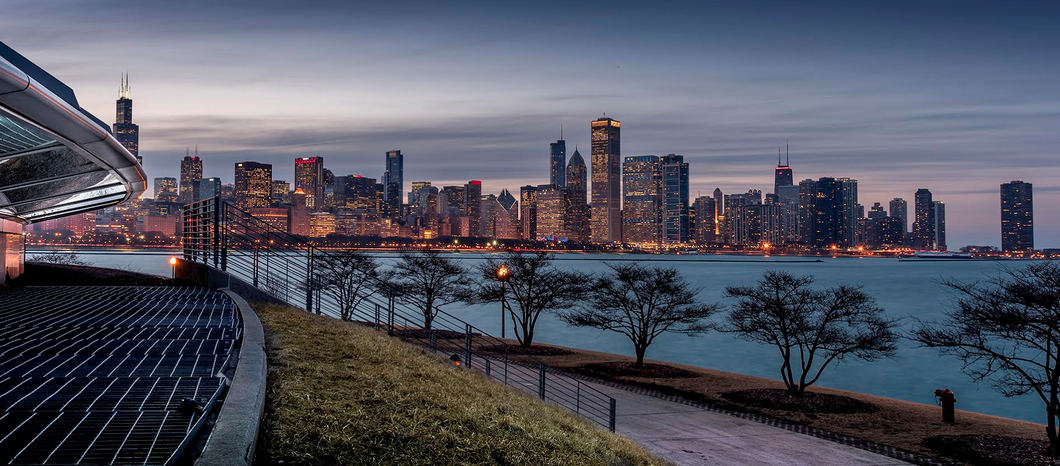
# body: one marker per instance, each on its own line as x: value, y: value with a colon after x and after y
x: 276, y: 217
x: 125, y: 131
x: 557, y: 162
x: 309, y: 175
x: 321, y: 224
x: 577, y: 190
x: 642, y: 200
x: 528, y: 211
x: 552, y: 208
x: 359, y: 194
x: 899, y: 208
x: 473, y: 207
x: 675, y: 195
x: 705, y: 231
x: 606, y: 220
x: 253, y: 185
x: 939, y: 217
x: 393, y: 181
x: 1017, y: 217
x: 190, y: 174
x: 166, y: 189
x: 923, y: 236
x: 209, y: 188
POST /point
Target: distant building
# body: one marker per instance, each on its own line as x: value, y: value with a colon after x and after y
x: 253, y: 185
x: 783, y: 175
x: 166, y: 189
x: 393, y: 183
x: 939, y: 217
x: 528, y: 212
x: 359, y: 194
x: 848, y: 212
x: 675, y: 195
x: 321, y: 224
x: 719, y: 211
x: 706, y: 230
x: 828, y: 213
x: 889, y: 233
x: 577, y: 190
x: 606, y: 217
x: 276, y: 217
x: 552, y: 208
x: 309, y: 176
x: 125, y: 131
x: 557, y: 162
x: 209, y: 188
x: 1017, y: 217
x: 190, y: 174
x: 923, y: 236
x: 899, y: 208
x: 473, y: 207
x: 642, y: 200
x: 507, y: 226
x: 757, y: 225
x: 281, y: 192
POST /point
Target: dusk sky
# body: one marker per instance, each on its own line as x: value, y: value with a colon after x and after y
x: 956, y: 97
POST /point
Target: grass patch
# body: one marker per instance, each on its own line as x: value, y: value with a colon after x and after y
x: 341, y: 393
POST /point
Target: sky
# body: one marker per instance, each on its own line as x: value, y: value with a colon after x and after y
x: 957, y: 97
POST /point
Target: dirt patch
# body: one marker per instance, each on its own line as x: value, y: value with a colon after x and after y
x: 539, y: 350
x: 809, y: 402
x: 992, y: 450
x: 630, y: 369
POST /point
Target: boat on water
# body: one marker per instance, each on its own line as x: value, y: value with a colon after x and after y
x: 935, y: 256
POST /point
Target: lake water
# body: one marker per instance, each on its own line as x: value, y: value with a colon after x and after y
x: 902, y: 288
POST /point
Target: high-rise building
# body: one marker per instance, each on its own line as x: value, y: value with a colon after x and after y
x: 209, y: 188
x: 1017, y: 217
x: 706, y: 230
x: 923, y: 236
x: 939, y: 217
x: 719, y: 213
x: 899, y: 208
x: 166, y: 189
x: 557, y: 162
x: 876, y: 212
x: 190, y: 174
x: 848, y: 212
x: 783, y: 176
x: 528, y: 211
x: 827, y: 223
x: 757, y: 225
x: 577, y: 189
x: 507, y: 226
x: 358, y: 194
x: 606, y: 218
x: 473, y: 205
x: 642, y: 200
x: 253, y: 185
x: 125, y: 131
x: 393, y: 183
x: 309, y: 176
x: 281, y: 192
x: 807, y: 198
x: 552, y: 209
x: 675, y: 194
x: 454, y: 200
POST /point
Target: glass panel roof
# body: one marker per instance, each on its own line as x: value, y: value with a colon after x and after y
x: 16, y: 137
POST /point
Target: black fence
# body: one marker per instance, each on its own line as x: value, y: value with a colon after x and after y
x: 221, y: 235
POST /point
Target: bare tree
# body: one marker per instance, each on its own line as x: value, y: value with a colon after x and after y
x: 810, y: 327
x: 534, y: 285
x: 642, y: 303
x: 347, y: 276
x: 60, y: 258
x: 428, y: 280
x: 1007, y: 331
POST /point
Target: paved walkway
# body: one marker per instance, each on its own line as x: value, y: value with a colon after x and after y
x: 688, y: 435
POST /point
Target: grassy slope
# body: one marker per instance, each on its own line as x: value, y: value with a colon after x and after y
x: 344, y: 394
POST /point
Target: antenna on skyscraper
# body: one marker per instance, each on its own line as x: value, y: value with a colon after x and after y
x: 561, y: 131
x: 196, y: 150
x: 787, y: 150
x: 778, y: 156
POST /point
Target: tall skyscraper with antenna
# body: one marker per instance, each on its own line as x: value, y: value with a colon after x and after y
x: 783, y: 175
x: 125, y: 131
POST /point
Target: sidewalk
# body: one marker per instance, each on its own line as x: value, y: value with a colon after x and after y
x: 688, y: 435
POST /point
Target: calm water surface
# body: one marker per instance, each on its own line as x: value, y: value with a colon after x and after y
x: 902, y: 288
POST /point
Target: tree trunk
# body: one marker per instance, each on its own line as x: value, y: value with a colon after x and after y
x: 640, y: 356
x: 1050, y: 431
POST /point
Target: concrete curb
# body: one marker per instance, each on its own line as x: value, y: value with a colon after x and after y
x: 235, y: 434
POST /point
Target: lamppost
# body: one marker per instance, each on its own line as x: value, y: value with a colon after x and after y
x: 173, y: 266
x: 502, y: 275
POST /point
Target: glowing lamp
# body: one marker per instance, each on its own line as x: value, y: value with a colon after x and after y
x: 502, y: 273
x: 172, y: 261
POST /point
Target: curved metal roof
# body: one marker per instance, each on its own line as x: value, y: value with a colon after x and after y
x: 56, y: 159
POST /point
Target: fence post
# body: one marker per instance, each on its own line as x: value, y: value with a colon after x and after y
x: 487, y: 366
x: 216, y: 230
x: 541, y: 380
x: 224, y: 237
x: 255, y: 261
x: 611, y: 421
x: 577, y: 396
x: 390, y: 320
x: 309, y: 281
x: 467, y: 344
x: 377, y: 316
x: 506, y: 364
x: 434, y: 341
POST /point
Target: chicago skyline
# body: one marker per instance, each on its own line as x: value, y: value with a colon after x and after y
x: 734, y: 95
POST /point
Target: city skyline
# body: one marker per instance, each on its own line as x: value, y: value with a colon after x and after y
x: 957, y: 127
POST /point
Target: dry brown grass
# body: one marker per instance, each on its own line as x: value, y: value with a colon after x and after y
x: 898, y: 423
x: 341, y: 393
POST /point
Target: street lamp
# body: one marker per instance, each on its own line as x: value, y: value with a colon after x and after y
x: 502, y: 275
x: 173, y: 266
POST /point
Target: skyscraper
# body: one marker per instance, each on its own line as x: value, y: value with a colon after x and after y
x: 454, y: 200
x: 166, y: 189
x: 209, y: 188
x: 923, y: 236
x: 393, y: 182
x: 675, y: 194
x: 900, y: 209
x: 577, y: 184
x: 253, y: 185
x: 309, y: 176
x: 719, y: 210
x: 552, y: 208
x: 125, y: 131
x: 557, y: 162
x: 807, y: 198
x: 1017, y: 217
x: 827, y: 214
x: 190, y: 174
x: 606, y: 219
x: 705, y: 231
x: 528, y: 211
x: 473, y: 206
x: 848, y: 212
x: 783, y: 176
x: 642, y: 200
x: 939, y: 217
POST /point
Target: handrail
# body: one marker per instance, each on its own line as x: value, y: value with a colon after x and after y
x: 283, y: 265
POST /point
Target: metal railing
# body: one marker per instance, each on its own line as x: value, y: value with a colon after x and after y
x: 221, y: 235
